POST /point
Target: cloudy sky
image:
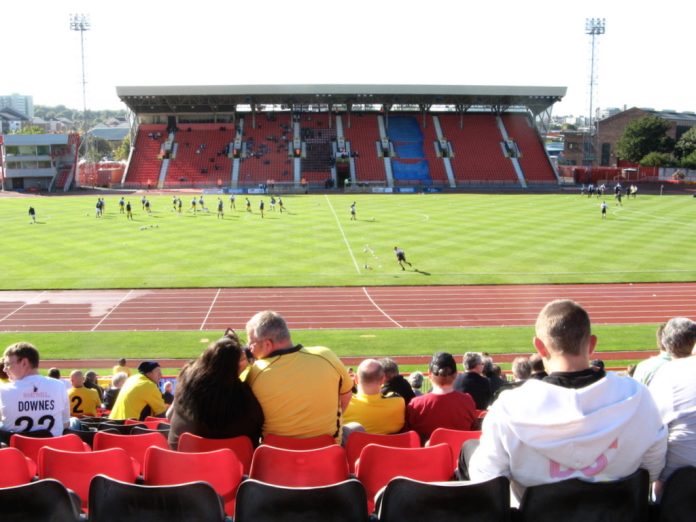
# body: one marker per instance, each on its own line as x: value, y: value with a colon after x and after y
x: 640, y: 60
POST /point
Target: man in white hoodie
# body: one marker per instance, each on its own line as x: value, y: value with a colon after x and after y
x: 575, y: 423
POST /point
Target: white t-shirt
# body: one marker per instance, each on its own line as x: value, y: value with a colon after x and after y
x: 674, y: 390
x: 34, y: 403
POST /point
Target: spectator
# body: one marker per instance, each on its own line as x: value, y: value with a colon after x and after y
x: 416, y: 382
x: 92, y: 382
x: 368, y: 410
x: 31, y: 401
x: 140, y: 395
x: 576, y: 423
x: 538, y: 370
x: 646, y: 370
x: 443, y: 407
x: 521, y: 372
x: 394, y: 382
x: 473, y: 382
x: 302, y: 391
x: 4, y: 379
x: 674, y: 390
x: 111, y: 394
x: 121, y: 366
x: 493, y: 373
x: 521, y: 369
x: 167, y: 394
x: 54, y: 373
x: 211, y: 401
x: 83, y: 400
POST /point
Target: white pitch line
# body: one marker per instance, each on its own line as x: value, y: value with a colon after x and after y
x: 205, y: 320
x: 385, y: 314
x: 110, y: 311
x: 345, y: 239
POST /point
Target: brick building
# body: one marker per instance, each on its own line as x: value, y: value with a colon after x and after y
x: 612, y: 128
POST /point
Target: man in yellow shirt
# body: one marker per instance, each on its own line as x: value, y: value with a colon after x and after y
x: 302, y: 391
x: 83, y: 401
x: 368, y: 409
x: 140, y: 395
x: 121, y: 367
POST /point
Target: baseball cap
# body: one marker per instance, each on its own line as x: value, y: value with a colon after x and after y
x: 147, y: 366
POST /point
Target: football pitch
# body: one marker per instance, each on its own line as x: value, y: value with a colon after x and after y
x: 455, y: 239
x: 449, y: 238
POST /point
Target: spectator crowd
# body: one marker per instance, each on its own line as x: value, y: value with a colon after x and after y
x: 561, y: 416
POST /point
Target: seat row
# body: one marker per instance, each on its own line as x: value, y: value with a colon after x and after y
x: 403, y: 500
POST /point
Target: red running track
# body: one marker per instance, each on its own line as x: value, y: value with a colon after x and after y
x: 345, y: 307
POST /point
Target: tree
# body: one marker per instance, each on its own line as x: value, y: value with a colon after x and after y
x: 643, y: 136
x: 686, y: 144
x: 689, y: 162
x: 121, y: 153
x: 657, y: 159
x: 30, y: 129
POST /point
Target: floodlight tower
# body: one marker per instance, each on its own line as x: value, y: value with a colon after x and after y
x: 594, y: 27
x: 80, y: 22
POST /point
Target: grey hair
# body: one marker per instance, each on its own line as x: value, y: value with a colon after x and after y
x: 521, y: 368
x: 269, y: 325
x: 472, y: 360
x: 390, y: 367
x: 118, y: 379
x: 679, y: 336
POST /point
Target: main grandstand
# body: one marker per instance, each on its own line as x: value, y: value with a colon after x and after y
x: 374, y: 137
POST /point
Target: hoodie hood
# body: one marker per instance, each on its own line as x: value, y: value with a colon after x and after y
x: 572, y: 427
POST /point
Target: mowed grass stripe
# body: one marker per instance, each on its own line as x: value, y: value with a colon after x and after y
x: 450, y: 238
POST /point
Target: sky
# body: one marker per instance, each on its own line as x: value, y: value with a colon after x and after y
x: 639, y: 61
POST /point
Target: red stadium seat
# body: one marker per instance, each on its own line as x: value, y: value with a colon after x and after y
x: 242, y: 446
x: 299, y: 468
x: 162, y: 420
x: 453, y: 438
x: 76, y: 469
x: 379, y: 464
x: 150, y: 424
x: 297, y: 443
x: 359, y: 439
x: 16, y: 468
x: 135, y: 445
x: 221, y: 469
x: 30, y: 446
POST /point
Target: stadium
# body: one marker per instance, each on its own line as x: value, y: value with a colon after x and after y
x: 456, y: 176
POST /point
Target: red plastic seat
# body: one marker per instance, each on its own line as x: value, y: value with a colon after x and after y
x: 242, y: 446
x: 75, y: 469
x: 379, y: 464
x: 300, y: 468
x: 453, y: 438
x: 297, y: 443
x: 16, y: 468
x: 220, y: 468
x: 159, y: 420
x: 135, y: 445
x: 150, y: 424
x: 30, y: 446
x: 359, y: 439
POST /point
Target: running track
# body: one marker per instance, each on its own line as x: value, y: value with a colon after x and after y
x: 345, y: 307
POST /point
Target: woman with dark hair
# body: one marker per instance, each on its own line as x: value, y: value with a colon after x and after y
x: 211, y: 401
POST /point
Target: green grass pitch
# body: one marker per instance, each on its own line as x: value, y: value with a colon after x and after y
x: 450, y: 239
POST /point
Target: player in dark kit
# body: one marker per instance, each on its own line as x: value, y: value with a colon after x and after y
x: 401, y: 257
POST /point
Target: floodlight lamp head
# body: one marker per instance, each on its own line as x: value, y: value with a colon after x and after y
x: 79, y: 22
x: 595, y: 26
